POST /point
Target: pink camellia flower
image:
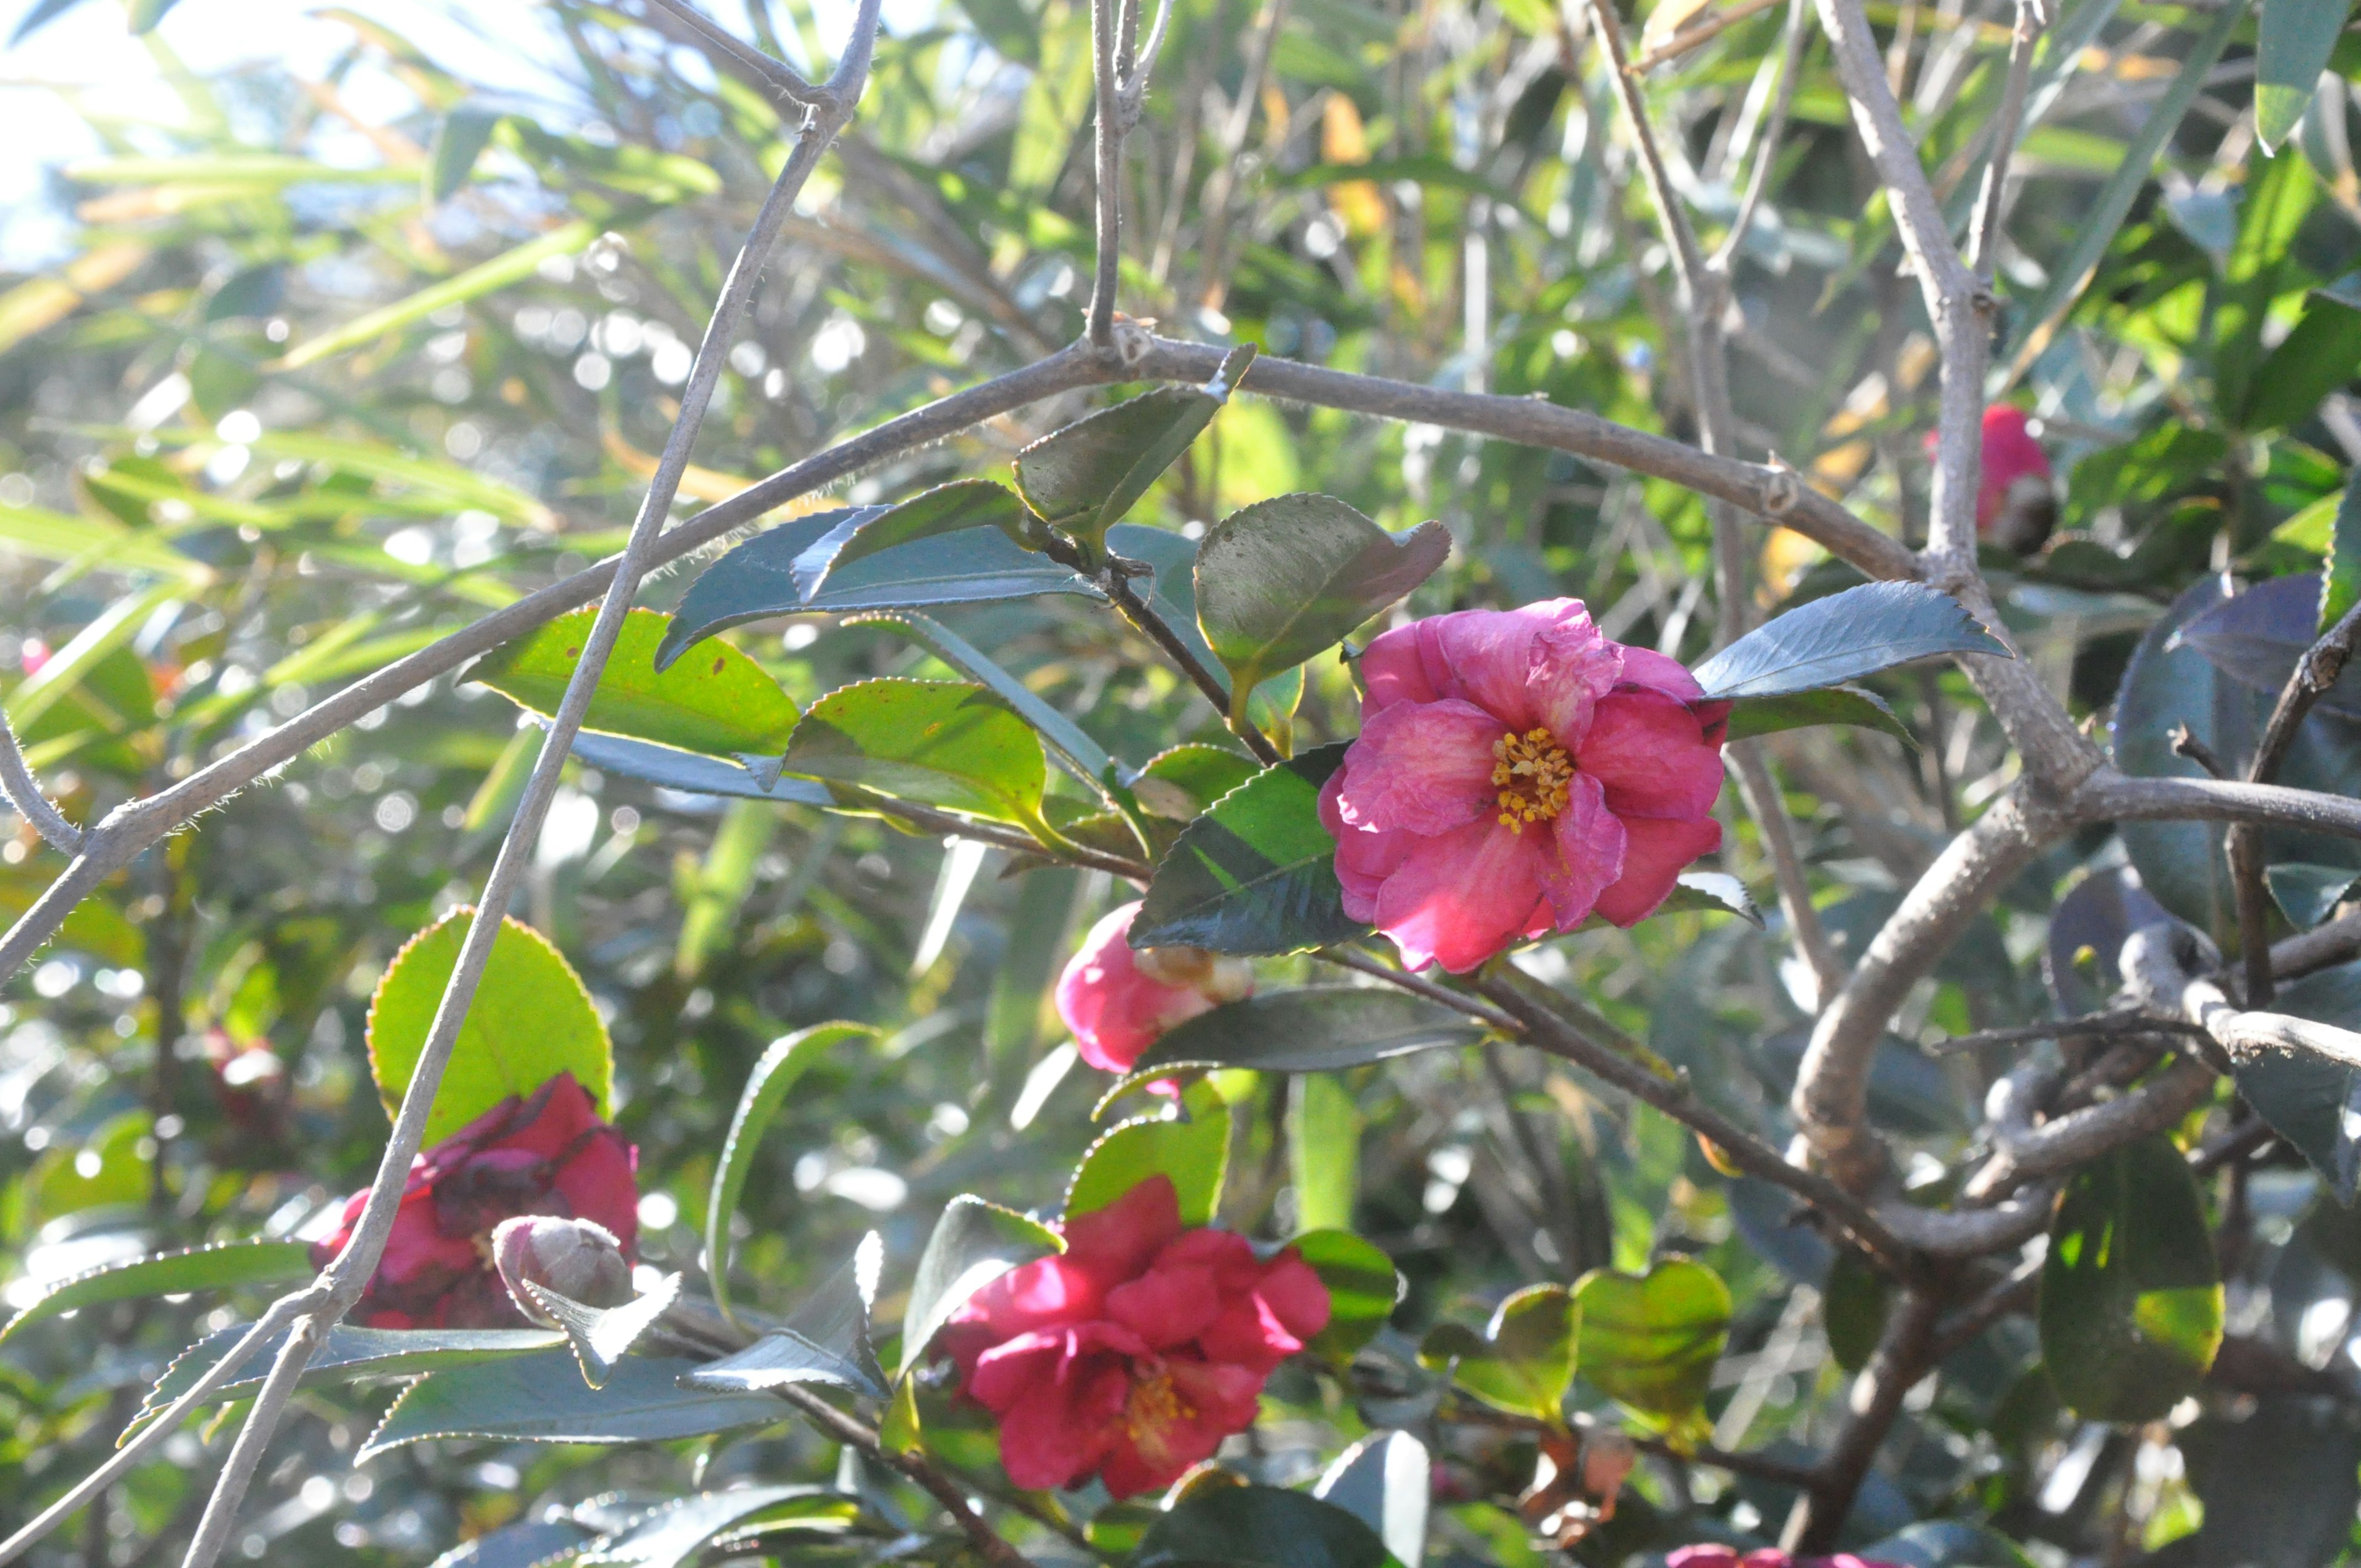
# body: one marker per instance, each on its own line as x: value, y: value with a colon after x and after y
x: 1134, y: 1352
x: 548, y: 1154
x: 1712, y: 1554
x: 1117, y: 999
x: 2015, y: 504
x: 1517, y: 772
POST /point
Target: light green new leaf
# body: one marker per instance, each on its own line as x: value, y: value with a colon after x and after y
x: 1284, y: 579
x: 1522, y: 1361
x: 1650, y: 1340
x: 719, y: 702
x: 943, y: 743
x: 1191, y: 1149
x: 532, y: 1020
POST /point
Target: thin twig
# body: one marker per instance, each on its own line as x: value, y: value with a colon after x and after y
x: 347, y: 1275
x: 2091, y: 1025
x: 1157, y: 629
x: 1902, y: 1357
x: 1764, y: 804
x: 1220, y: 180
x: 1696, y: 33
x: 24, y: 792
x: 1983, y: 236
x: 1108, y: 197
x: 938, y: 1485
x: 2185, y: 743
x: 2013, y: 1295
x: 783, y: 82
x: 1459, y: 1001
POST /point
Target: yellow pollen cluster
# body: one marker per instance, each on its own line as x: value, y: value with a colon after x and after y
x: 1532, y: 772
x: 1156, y: 1404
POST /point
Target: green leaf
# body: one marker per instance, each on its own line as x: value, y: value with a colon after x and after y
x: 2343, y: 590
x: 2098, y: 217
x: 943, y: 743
x: 2258, y: 636
x: 1174, y: 561
x: 973, y: 565
x: 720, y: 701
x: 1854, y: 1308
x: 531, y: 1021
x: 351, y: 1355
x: 2315, y: 358
x: 1324, y: 1153
x: 784, y: 1061
x: 1828, y: 705
x: 460, y: 137
x: 1084, y: 478
x: 217, y: 1268
x: 712, y: 900
x: 1083, y: 755
x: 673, y: 1532
x: 146, y: 13
x: 1258, y: 1527
x: 2292, y: 50
x: 1284, y: 579
x: 541, y: 1398
x: 2308, y: 895
x: 542, y: 1543
x: 1256, y: 874
x: 1650, y: 1340
x: 1179, y: 782
x: 954, y: 508
x: 2130, y: 1313
x: 752, y: 582
x: 40, y: 11
x: 1312, y: 1028
x: 1523, y: 1360
x: 1363, y: 1289
x: 1843, y: 637
x: 826, y: 1340
x: 1711, y: 892
x: 692, y: 773
x: 509, y: 267
x: 1385, y: 1481
x: 2314, y: 1103
x: 1191, y: 1148
x: 973, y: 1244
x: 601, y: 1336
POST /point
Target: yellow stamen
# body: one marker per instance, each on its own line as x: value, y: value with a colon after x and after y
x: 1532, y: 772
x: 1156, y: 1405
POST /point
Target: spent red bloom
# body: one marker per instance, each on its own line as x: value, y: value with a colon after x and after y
x: 1516, y: 772
x: 1134, y: 1352
x: 2015, y: 503
x: 1117, y: 999
x: 1713, y: 1554
x: 547, y: 1155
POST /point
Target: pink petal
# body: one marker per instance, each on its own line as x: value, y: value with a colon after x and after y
x: 1588, y: 849
x: 1526, y: 666
x: 1364, y: 859
x: 1422, y: 766
x: 1461, y: 897
x: 1116, y: 1242
x: 1393, y: 669
x: 1650, y: 751
x: 1574, y: 667
x: 1056, y: 1433
x: 1296, y: 1293
x: 1647, y: 668
x: 1657, y: 852
x: 1167, y: 1306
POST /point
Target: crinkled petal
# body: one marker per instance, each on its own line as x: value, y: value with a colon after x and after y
x: 1461, y: 897
x: 1167, y: 1306
x: 1116, y: 1242
x: 1646, y: 668
x: 1651, y: 753
x: 1057, y: 1431
x: 1573, y: 668
x: 1656, y: 852
x: 1587, y: 848
x: 1364, y: 859
x: 1424, y: 767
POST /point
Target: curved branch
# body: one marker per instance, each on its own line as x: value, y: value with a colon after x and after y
x: 2170, y: 965
x: 24, y: 792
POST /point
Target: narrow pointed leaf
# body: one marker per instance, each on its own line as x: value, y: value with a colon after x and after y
x: 1086, y: 476
x: 826, y: 1340
x: 217, y: 1267
x: 752, y: 582
x: 601, y: 1336
x: 673, y: 1533
x: 2344, y: 570
x: 1313, y: 1028
x: 541, y: 1398
x: 2292, y: 50
x: 954, y: 508
x: 691, y: 772
x: 1827, y: 705
x: 973, y: 1244
x: 351, y: 1354
x: 460, y: 137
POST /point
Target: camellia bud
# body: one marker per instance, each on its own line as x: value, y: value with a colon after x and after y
x: 575, y: 1258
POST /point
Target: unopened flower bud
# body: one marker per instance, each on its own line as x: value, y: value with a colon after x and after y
x: 1118, y: 999
x: 575, y: 1258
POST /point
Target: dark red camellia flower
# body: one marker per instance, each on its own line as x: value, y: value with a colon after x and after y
x: 547, y: 1155
x: 1131, y: 1354
x: 1714, y: 1556
x: 2016, y: 505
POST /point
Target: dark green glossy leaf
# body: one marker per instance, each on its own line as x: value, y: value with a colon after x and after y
x: 1844, y: 637
x: 947, y: 509
x: 1180, y: 783
x: 941, y: 744
x: 2131, y: 1301
x: 692, y: 773
x: 2312, y: 1102
x: 826, y: 1340
x: 2308, y: 895
x: 2168, y: 682
x: 216, y: 1267
x: 672, y: 1533
x: 1363, y: 1288
x: 1651, y: 1340
x: 355, y: 1355
x: 776, y: 1071
x: 2279, y: 1478
x: 1258, y: 1527
x: 2255, y: 638
x: 1174, y: 597
x: 1284, y: 579
x: 752, y: 582
x: 720, y: 701
x: 544, y: 1541
x: 601, y: 1336
x: 1084, y: 477
x: 541, y: 1398
x: 973, y: 1244
x: 1829, y: 705
x: 1191, y: 1149
x: 2292, y: 50
x: 2344, y: 569
x: 2081, y: 960
x: 1523, y: 1360
x: 975, y: 565
x: 1385, y: 1481
x: 1256, y: 874
x: 1318, y: 1028
x: 1854, y: 1308
x: 2314, y: 359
